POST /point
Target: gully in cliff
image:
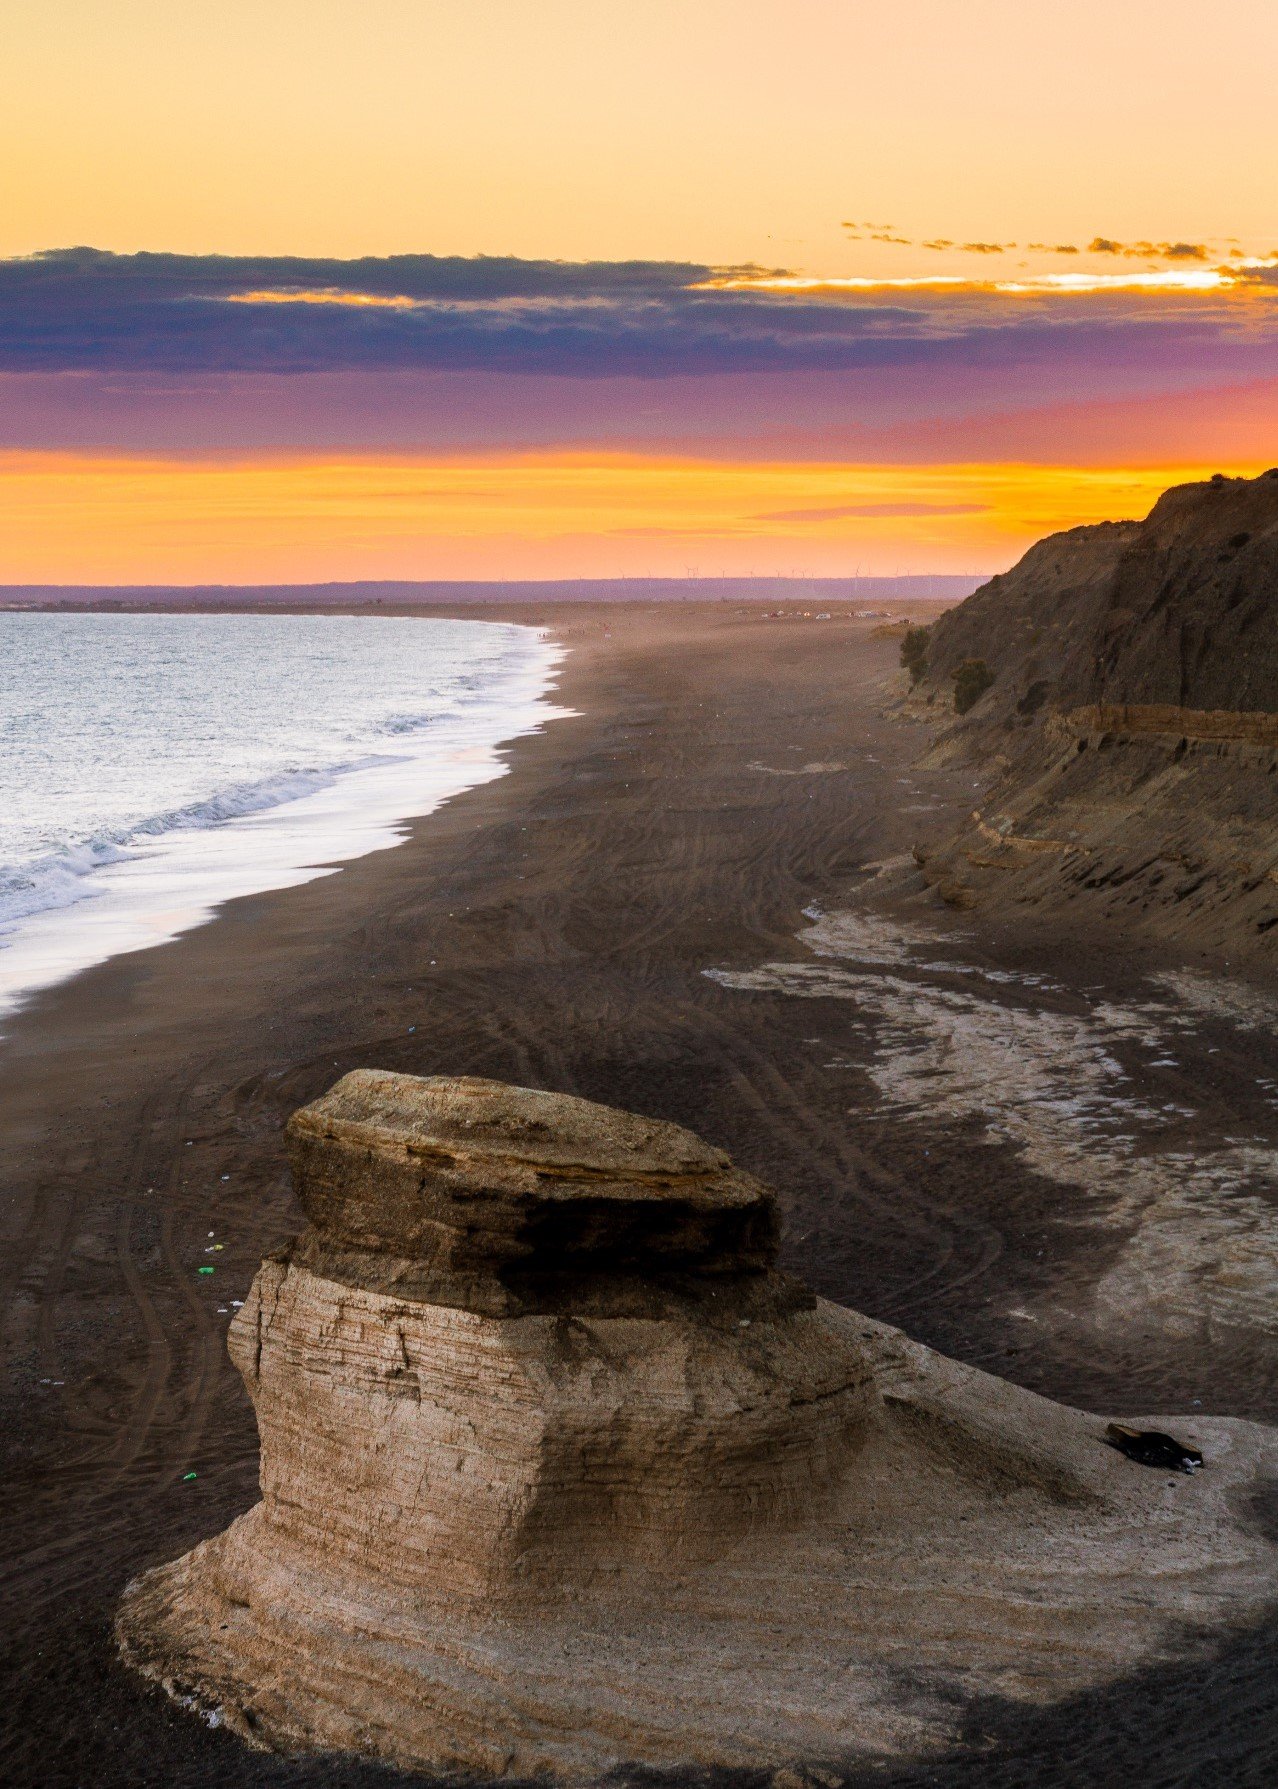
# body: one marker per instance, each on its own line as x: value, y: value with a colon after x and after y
x: 559, y: 1472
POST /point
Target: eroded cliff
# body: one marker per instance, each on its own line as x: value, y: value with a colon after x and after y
x: 1133, y: 717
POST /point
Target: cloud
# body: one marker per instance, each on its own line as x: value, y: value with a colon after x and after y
x: 938, y: 242
x: 149, y: 315
x: 1150, y: 251
x: 1099, y: 245
x: 836, y: 512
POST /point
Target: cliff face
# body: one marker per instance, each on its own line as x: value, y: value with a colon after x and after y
x: 1134, y: 715
x: 559, y: 1474
x: 1179, y: 610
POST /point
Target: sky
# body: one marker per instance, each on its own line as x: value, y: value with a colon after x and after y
x: 432, y: 289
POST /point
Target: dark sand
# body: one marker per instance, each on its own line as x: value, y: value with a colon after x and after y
x: 553, y: 929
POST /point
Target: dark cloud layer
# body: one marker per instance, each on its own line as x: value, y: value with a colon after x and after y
x: 84, y: 310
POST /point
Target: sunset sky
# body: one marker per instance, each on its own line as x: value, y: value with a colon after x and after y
x: 426, y: 288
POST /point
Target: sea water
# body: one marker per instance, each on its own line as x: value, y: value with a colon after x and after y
x: 153, y: 767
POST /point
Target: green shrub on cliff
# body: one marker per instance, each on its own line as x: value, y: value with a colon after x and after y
x: 971, y: 681
x: 914, y: 651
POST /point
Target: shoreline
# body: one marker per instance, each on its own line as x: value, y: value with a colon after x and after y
x: 169, y: 873
x: 720, y: 776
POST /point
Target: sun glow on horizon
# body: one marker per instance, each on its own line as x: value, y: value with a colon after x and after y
x: 1164, y: 279
x: 1225, y: 278
x: 110, y: 518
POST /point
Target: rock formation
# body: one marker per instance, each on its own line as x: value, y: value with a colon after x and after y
x: 1133, y: 714
x: 560, y: 1473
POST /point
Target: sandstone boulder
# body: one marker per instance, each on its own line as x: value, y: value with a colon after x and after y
x: 560, y: 1474
x: 500, y: 1198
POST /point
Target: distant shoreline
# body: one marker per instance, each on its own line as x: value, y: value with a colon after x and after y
x: 403, y: 593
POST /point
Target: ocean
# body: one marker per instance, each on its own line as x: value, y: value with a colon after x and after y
x: 153, y: 767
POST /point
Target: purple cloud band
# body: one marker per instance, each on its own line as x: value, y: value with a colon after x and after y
x: 81, y: 310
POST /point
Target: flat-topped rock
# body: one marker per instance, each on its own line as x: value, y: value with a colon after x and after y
x: 679, y: 1515
x: 474, y: 1177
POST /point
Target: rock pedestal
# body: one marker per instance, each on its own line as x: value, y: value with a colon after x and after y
x: 559, y: 1472
x: 525, y: 1336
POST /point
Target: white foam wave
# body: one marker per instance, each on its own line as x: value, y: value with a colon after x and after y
x: 60, y: 878
x: 154, y: 876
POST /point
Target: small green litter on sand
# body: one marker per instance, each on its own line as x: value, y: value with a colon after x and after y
x: 187, y: 1475
x: 204, y: 1270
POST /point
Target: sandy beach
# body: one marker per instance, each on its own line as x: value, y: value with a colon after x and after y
x: 676, y: 902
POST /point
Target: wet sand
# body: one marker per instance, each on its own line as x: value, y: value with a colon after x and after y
x: 629, y: 916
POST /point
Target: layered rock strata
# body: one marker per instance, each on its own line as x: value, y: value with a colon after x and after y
x: 560, y: 1473
x: 1132, y: 721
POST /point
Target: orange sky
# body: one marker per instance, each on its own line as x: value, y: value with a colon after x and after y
x: 76, y: 518
x: 153, y: 430
x: 721, y: 131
